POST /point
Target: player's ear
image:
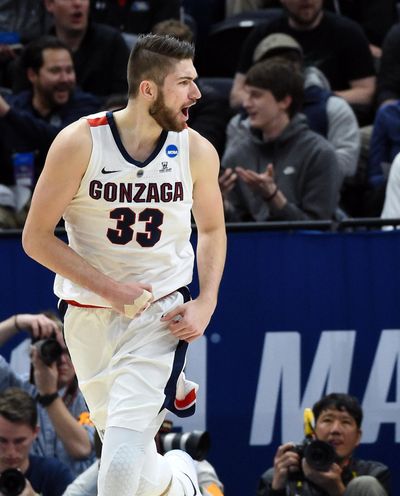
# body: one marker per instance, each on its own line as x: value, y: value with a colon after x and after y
x: 148, y: 89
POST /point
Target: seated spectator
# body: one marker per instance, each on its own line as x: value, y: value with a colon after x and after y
x: 100, y: 53
x: 391, y: 206
x: 30, y: 120
x: 385, y: 143
x: 375, y: 17
x: 132, y: 16
x: 27, y: 18
x: 338, y: 420
x: 18, y: 430
x: 388, y: 86
x: 65, y: 430
x: 211, y: 113
x: 332, y: 43
x: 21, y: 21
x: 275, y: 167
x: 383, y: 147
x: 327, y: 114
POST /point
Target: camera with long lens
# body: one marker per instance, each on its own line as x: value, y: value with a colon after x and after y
x: 49, y: 350
x: 318, y: 454
x: 12, y: 482
x: 195, y: 443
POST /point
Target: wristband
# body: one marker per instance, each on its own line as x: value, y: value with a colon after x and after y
x: 272, y: 195
x: 46, y: 399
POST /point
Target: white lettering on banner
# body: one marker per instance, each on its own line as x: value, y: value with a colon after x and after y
x: 280, y: 377
x: 377, y: 410
x: 280, y: 372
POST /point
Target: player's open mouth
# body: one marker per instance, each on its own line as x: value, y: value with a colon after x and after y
x: 185, y: 112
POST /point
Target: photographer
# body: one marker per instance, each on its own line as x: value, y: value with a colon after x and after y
x: 21, y: 473
x: 65, y: 430
x: 338, y: 420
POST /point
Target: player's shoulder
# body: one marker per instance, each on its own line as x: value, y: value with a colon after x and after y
x: 75, y: 134
x: 73, y: 144
x: 199, y: 145
x: 203, y: 156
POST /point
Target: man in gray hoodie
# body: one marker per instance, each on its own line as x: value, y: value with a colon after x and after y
x: 274, y: 166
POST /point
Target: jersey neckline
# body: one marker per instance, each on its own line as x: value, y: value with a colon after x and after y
x: 122, y: 149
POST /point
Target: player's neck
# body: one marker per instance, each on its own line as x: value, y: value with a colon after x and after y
x: 139, y: 132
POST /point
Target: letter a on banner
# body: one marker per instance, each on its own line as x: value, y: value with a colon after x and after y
x: 280, y: 373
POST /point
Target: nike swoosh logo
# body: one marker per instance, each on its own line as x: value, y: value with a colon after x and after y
x: 289, y: 170
x: 104, y: 171
x: 191, y: 482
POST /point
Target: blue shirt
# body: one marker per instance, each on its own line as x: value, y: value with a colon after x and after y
x: 47, y: 443
x: 48, y: 476
x: 385, y: 141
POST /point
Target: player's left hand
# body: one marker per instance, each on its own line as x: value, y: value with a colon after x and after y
x: 188, y: 321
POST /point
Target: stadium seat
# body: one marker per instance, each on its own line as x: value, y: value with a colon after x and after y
x: 225, y: 40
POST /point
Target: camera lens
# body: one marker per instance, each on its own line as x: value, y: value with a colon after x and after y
x: 12, y: 482
x: 50, y: 350
x: 320, y: 455
x: 195, y: 443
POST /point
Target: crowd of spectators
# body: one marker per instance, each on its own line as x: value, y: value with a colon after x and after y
x: 61, y: 60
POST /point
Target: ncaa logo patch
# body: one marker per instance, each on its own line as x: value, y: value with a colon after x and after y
x: 171, y: 151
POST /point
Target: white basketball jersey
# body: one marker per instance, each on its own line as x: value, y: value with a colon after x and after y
x: 132, y: 220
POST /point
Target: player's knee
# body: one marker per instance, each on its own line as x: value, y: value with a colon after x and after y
x: 123, y: 470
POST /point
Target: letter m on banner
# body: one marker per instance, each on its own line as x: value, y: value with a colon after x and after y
x: 280, y: 372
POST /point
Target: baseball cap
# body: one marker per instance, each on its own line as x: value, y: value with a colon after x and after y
x: 275, y: 43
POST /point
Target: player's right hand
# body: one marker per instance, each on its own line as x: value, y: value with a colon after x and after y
x: 126, y: 294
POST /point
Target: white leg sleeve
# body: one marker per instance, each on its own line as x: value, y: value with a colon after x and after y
x: 130, y: 464
x: 122, y: 459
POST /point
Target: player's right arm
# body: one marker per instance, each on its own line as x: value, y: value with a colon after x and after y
x: 65, y: 166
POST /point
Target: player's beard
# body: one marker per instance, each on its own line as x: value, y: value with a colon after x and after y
x: 164, y: 116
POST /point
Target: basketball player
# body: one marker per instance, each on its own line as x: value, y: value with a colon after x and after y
x: 126, y: 184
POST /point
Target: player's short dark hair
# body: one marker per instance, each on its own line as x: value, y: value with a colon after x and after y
x: 281, y: 78
x: 341, y: 402
x: 18, y: 407
x: 152, y: 58
x: 32, y: 55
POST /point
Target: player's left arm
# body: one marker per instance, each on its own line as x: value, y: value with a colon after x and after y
x: 211, y: 241
x: 208, y: 213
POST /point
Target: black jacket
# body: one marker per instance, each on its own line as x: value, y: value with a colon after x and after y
x: 354, y: 469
